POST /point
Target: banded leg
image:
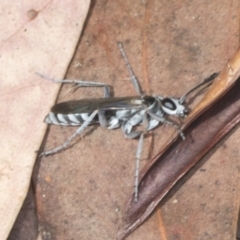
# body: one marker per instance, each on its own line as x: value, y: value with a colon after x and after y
x: 138, y: 156
x: 81, y: 83
x: 79, y: 131
x: 132, y: 75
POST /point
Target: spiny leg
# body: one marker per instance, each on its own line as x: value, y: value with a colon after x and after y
x: 79, y: 131
x: 138, y: 156
x: 132, y: 75
x: 80, y: 83
x: 127, y: 130
x: 180, y: 132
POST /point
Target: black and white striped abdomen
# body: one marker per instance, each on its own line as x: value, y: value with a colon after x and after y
x: 67, y: 119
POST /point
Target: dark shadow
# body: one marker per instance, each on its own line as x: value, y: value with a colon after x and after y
x: 26, y: 224
x: 90, y: 11
x: 238, y: 226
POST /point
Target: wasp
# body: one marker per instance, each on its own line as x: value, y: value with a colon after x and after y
x: 119, y: 112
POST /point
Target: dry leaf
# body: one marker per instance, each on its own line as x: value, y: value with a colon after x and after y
x: 35, y: 37
x: 171, y: 47
x: 165, y: 169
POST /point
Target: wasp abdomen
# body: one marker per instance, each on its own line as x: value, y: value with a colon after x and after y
x: 67, y: 119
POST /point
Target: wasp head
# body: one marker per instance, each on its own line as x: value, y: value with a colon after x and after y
x: 172, y: 106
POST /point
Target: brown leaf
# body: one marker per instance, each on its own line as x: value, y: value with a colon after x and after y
x: 218, y: 117
x: 171, y: 48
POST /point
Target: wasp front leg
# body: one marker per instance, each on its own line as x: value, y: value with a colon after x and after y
x: 163, y: 119
x: 137, y: 168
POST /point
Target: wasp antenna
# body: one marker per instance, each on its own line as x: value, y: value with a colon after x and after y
x: 208, y: 81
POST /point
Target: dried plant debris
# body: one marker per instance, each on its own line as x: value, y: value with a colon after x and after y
x: 222, y: 103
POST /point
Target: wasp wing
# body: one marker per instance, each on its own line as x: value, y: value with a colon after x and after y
x: 90, y: 105
x: 75, y: 112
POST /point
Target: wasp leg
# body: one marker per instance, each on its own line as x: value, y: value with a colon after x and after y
x: 81, y: 83
x: 112, y: 123
x: 169, y: 122
x: 102, y: 118
x: 127, y: 129
x: 79, y: 131
x: 127, y: 125
x: 132, y: 75
x: 149, y: 123
x: 132, y: 135
x: 138, y: 156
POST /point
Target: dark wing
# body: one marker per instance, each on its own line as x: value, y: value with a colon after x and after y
x: 89, y: 105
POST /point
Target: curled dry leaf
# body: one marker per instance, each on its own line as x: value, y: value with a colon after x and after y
x: 222, y: 102
x: 223, y: 83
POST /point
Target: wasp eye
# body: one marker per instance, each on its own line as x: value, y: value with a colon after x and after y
x: 168, y: 103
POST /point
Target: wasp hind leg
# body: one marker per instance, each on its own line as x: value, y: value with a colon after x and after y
x: 81, y: 83
x: 79, y: 131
